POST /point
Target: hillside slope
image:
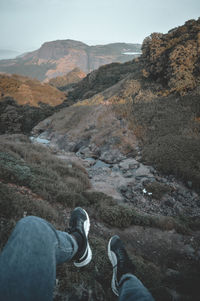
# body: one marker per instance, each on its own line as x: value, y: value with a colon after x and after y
x: 24, y: 102
x: 160, y: 113
x: 29, y: 91
x: 68, y: 80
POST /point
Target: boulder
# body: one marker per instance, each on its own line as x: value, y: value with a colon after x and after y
x: 143, y: 171
x: 112, y: 156
x: 129, y: 164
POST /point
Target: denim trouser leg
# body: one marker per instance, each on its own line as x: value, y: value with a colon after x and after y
x: 28, y: 261
x: 132, y: 289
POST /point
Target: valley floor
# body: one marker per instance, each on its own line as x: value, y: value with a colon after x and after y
x: 156, y: 215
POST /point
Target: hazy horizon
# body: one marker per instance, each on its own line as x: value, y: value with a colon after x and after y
x: 27, y: 24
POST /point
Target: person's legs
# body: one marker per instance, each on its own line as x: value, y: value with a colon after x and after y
x: 124, y: 284
x: 132, y: 289
x: 28, y: 261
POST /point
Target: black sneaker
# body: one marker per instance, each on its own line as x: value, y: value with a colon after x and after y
x: 80, y: 223
x: 119, y: 260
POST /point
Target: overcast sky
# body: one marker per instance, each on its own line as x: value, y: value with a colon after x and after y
x: 26, y: 24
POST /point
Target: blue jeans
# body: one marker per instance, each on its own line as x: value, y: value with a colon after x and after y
x: 28, y: 263
x: 132, y: 289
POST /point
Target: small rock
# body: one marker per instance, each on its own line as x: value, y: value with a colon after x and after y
x: 172, y: 273
x: 128, y: 195
x: 115, y: 168
x: 128, y: 174
x: 143, y: 171
x: 163, y: 180
x: 169, y: 203
x: 40, y: 140
x: 189, y: 251
x: 112, y: 156
x: 189, y: 183
x: 89, y: 162
x: 100, y: 164
x: 152, y: 169
x: 129, y: 164
x: 179, y: 209
x: 180, y: 198
x: 79, y: 145
x: 123, y: 188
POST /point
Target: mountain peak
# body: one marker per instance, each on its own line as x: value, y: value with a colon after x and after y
x: 56, y: 58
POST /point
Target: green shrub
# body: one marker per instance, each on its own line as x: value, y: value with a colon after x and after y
x: 14, y: 205
x: 170, y: 135
x: 157, y: 189
x: 178, y: 155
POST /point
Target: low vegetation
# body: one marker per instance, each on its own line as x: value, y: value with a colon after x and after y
x: 101, y: 79
x: 169, y: 132
x: 31, y: 165
x: 34, y: 182
x: 173, y: 58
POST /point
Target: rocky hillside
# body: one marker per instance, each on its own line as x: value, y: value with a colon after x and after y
x: 159, y: 114
x: 169, y: 64
x: 67, y: 81
x: 57, y: 58
x: 24, y: 102
x: 15, y: 118
x: 173, y: 59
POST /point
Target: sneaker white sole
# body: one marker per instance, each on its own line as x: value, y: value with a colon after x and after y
x: 113, y: 260
x: 88, y: 249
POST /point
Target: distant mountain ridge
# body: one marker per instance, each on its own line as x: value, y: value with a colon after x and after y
x: 59, y: 57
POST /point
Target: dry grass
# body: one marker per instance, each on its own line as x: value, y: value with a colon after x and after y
x: 34, y: 182
x: 29, y: 91
x: 32, y: 166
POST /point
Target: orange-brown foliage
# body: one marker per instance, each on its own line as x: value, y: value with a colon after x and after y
x: 29, y: 91
x: 173, y: 58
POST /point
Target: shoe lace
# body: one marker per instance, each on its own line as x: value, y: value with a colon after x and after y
x: 122, y: 257
x: 74, y: 226
x: 124, y: 265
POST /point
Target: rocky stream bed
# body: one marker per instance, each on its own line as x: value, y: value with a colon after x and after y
x: 130, y: 181
x: 167, y: 260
